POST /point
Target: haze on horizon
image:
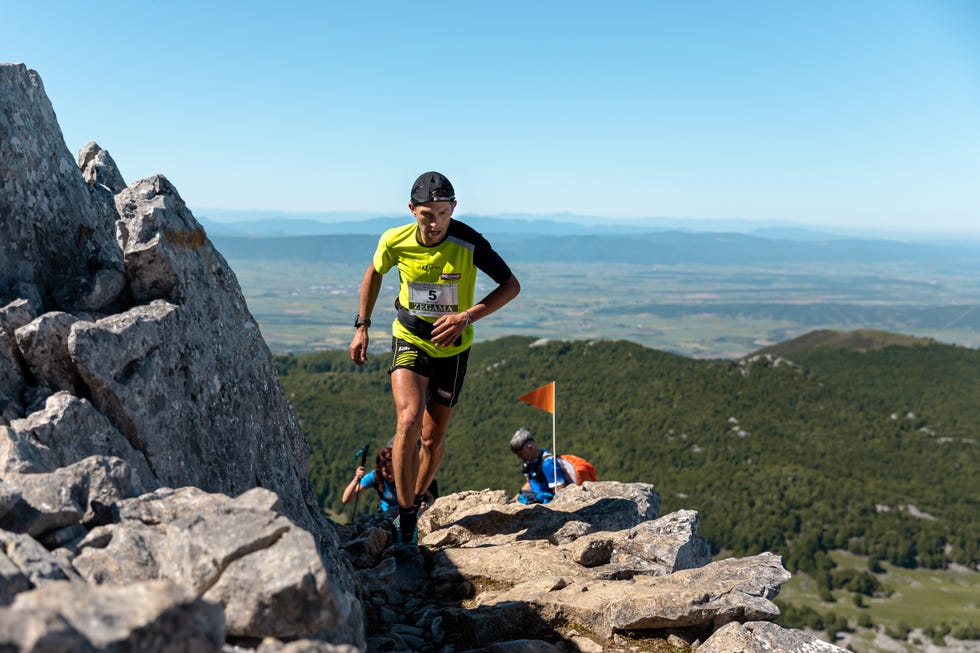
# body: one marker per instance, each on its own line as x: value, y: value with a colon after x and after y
x: 833, y: 114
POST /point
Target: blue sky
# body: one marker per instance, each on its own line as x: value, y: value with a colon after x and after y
x: 847, y: 113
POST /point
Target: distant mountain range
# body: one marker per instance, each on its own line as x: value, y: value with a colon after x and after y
x: 351, y: 237
x: 650, y: 247
x: 276, y: 224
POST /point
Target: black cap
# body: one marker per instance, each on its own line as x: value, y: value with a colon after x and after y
x: 432, y: 187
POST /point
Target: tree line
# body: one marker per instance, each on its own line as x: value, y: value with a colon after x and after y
x: 872, y: 452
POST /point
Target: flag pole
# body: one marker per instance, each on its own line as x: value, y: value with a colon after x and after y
x: 544, y: 398
x: 554, y: 432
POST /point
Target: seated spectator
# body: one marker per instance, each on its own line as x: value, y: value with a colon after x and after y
x: 539, y: 468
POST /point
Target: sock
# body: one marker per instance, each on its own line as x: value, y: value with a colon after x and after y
x: 407, y: 521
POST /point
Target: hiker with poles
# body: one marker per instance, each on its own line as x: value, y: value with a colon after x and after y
x: 437, y: 259
x: 381, y: 479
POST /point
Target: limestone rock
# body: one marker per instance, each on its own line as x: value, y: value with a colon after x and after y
x: 264, y: 571
x: 643, y: 495
x: 44, y: 346
x: 273, y: 645
x: 486, y: 518
x: 68, y: 430
x: 763, y: 637
x: 38, y: 565
x: 128, y: 360
x: 104, y: 182
x: 99, y: 169
x: 506, y: 565
x: 546, y: 572
x: 591, y: 551
x: 16, y: 314
x: 11, y: 378
x: 13, y: 581
x: 281, y: 590
x: 185, y: 375
x: 737, y: 589
x: 42, y: 188
x: 663, y: 546
x: 104, y: 288
x: 12, y: 372
x: 143, y: 617
x: 9, y: 495
x: 456, y: 506
x: 67, y: 496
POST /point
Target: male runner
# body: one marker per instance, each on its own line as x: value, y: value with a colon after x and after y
x: 437, y: 260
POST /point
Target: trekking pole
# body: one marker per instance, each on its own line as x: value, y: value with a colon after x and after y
x: 363, y: 453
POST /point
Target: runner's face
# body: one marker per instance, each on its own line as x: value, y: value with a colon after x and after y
x: 432, y: 219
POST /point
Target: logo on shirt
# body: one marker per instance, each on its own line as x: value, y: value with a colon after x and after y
x: 431, y: 309
x: 450, y: 276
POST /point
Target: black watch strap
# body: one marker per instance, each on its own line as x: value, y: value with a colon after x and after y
x: 362, y: 321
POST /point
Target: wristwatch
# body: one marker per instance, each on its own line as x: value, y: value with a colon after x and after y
x: 362, y: 321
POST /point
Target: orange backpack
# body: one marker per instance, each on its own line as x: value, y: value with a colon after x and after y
x: 584, y: 471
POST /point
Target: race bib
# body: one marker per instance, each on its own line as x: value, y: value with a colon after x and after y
x: 432, y: 299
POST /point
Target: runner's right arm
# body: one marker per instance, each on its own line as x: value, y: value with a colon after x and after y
x: 370, y: 287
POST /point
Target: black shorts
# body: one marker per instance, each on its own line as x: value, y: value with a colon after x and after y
x: 445, y: 374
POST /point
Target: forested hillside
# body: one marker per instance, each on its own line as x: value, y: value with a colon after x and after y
x: 875, y: 452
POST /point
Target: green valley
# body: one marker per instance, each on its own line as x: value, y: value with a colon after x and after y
x: 829, y: 450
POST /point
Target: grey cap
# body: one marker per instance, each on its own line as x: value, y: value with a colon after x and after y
x: 520, y: 438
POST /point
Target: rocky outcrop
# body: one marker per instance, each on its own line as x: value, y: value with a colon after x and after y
x: 53, y: 240
x: 63, y: 430
x: 178, y: 366
x: 763, y: 637
x: 168, y: 353
x: 153, y: 491
x: 145, y: 616
x: 594, y: 570
x: 164, y: 571
x: 239, y: 553
x: 145, y: 441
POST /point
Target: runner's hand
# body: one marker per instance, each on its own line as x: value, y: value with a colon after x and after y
x: 448, y: 328
x: 359, y: 346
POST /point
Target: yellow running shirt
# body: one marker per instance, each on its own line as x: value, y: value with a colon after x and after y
x: 439, y: 279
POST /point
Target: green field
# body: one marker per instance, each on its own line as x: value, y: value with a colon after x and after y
x: 912, y: 599
x: 703, y: 311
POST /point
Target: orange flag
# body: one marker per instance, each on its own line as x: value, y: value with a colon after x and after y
x: 543, y: 397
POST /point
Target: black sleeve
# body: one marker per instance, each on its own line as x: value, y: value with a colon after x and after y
x: 485, y: 257
x: 490, y: 262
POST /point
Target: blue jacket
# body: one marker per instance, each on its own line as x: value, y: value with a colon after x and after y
x: 386, y: 492
x: 540, y: 474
